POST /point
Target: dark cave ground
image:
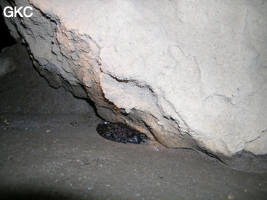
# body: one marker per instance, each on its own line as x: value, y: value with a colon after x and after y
x: 49, y: 149
x: 62, y: 157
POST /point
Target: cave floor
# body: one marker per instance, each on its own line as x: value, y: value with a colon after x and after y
x: 63, y: 157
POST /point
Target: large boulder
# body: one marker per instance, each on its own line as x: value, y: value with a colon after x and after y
x: 190, y: 74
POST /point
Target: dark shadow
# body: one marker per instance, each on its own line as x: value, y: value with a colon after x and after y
x: 37, y: 194
x: 6, y: 38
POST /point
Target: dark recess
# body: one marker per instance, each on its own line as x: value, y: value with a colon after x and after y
x: 6, y: 39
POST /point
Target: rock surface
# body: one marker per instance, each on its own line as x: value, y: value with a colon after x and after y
x: 24, y: 91
x: 189, y: 74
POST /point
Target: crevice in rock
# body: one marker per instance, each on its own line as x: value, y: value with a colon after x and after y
x: 211, y: 155
x: 7, y: 40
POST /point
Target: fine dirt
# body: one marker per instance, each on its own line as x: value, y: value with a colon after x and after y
x: 63, y: 157
x: 49, y: 149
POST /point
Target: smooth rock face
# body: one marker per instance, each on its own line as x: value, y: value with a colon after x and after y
x: 191, y: 74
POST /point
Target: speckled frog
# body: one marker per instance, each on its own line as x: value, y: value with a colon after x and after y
x: 120, y: 132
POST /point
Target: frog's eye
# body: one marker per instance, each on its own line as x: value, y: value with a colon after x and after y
x: 106, y: 122
x: 134, y: 139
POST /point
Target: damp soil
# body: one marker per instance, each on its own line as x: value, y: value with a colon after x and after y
x: 63, y: 157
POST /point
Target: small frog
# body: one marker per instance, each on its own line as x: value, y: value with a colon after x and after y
x: 120, y: 132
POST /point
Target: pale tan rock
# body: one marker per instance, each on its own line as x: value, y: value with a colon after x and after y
x: 191, y: 74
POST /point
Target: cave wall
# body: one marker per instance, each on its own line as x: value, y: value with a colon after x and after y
x: 190, y: 74
x: 24, y: 91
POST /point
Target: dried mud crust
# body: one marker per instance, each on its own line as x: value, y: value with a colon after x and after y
x: 120, y: 132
